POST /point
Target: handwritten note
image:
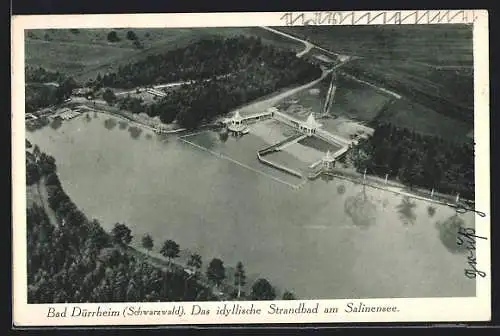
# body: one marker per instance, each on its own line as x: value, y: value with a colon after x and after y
x: 467, y: 237
x: 378, y: 17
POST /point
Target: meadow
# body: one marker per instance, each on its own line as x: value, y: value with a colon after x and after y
x: 408, y: 114
x: 83, y: 53
x: 435, y: 44
x: 427, y: 64
x: 434, y: 87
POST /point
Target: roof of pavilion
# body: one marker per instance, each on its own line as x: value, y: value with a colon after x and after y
x: 311, y: 122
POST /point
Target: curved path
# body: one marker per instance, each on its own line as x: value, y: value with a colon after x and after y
x: 263, y: 105
x: 343, y: 58
x: 308, y: 45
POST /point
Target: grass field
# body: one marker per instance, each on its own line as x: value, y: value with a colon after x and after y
x: 428, y: 64
x: 353, y: 100
x: 357, y: 101
x: 426, y: 84
x: 83, y: 53
x: 435, y: 44
x: 414, y: 116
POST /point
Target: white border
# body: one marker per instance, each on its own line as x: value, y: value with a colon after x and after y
x: 410, y: 309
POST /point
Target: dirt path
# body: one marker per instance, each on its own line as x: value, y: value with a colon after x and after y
x: 44, y: 199
x: 263, y: 105
x: 389, y: 92
x: 308, y: 44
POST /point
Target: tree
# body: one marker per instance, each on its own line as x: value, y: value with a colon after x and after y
x: 239, y: 277
x: 138, y: 45
x: 262, y: 290
x: 131, y: 35
x: 287, y: 295
x: 147, y: 242
x: 121, y: 234
x: 113, y: 36
x: 195, y: 262
x: 65, y: 89
x: 216, y: 271
x: 170, y: 250
x: 109, y: 96
x: 32, y: 173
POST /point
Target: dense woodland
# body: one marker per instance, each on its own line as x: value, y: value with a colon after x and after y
x: 73, y: 259
x: 210, y: 57
x: 417, y: 160
x: 225, y: 74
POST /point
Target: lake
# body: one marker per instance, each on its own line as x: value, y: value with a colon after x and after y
x: 328, y: 239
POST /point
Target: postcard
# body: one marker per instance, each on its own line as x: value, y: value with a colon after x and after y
x: 251, y: 168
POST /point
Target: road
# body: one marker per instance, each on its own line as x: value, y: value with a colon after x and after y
x: 394, y: 94
x: 263, y: 105
x: 161, y: 86
x: 170, y: 85
x: 308, y: 45
x: 342, y: 58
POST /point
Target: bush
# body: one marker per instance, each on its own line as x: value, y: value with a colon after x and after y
x: 131, y: 35
x: 113, y: 36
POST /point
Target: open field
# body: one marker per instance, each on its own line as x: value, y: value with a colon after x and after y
x: 414, y: 116
x: 357, y: 101
x: 425, y: 63
x: 432, y: 87
x: 418, y: 43
x: 86, y: 53
x: 352, y: 99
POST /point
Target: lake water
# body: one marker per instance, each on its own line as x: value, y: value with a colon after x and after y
x: 328, y: 239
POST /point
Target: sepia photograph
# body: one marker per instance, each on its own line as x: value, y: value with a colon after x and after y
x: 251, y: 163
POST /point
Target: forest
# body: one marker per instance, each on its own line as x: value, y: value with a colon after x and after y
x: 207, y: 58
x: 73, y: 259
x: 225, y: 74
x: 417, y: 160
x: 41, y: 75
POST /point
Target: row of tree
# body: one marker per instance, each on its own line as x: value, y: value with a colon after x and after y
x: 215, y: 272
x: 417, y: 160
x: 73, y: 259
